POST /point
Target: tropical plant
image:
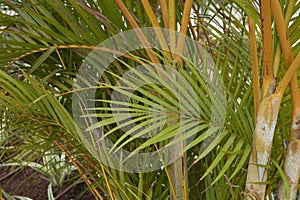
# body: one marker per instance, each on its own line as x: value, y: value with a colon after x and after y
x: 45, y: 44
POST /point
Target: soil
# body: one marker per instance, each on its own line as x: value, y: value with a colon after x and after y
x: 29, y: 183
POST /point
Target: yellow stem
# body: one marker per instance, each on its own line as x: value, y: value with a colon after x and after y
x: 266, y: 23
x: 172, y: 15
x: 164, y: 12
x: 289, y: 74
x: 70, y: 47
x: 289, y: 11
x: 185, y: 175
x: 277, y: 58
x: 172, y: 24
x: 184, y: 25
x: 287, y: 52
x: 288, y: 15
x: 79, y: 167
x: 255, y: 69
x: 127, y: 14
x: 155, y: 23
x: 269, y: 81
x: 106, y: 180
x: 60, y: 59
x: 282, y: 32
x: 138, y: 32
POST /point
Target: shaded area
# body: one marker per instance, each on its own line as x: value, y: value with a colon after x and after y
x: 27, y: 182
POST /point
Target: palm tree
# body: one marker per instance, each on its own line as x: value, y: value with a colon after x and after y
x: 49, y: 48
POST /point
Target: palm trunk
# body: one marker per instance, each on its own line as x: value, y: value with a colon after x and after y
x: 267, y: 112
x: 292, y: 158
x: 261, y: 146
x: 177, y: 176
x: 178, y: 171
x: 292, y: 163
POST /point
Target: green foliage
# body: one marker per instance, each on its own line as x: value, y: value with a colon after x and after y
x: 42, y: 46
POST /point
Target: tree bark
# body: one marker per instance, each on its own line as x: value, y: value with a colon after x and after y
x: 261, y: 146
x: 292, y: 163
